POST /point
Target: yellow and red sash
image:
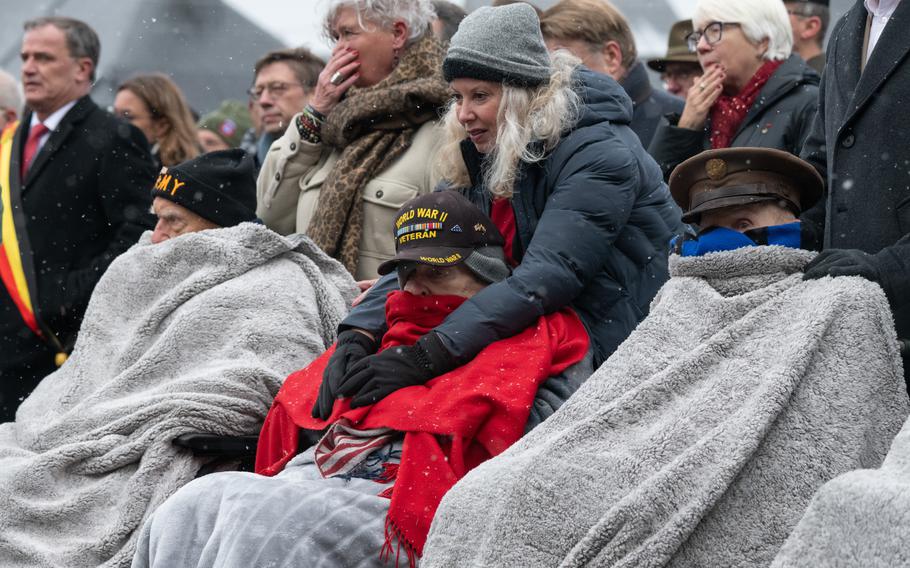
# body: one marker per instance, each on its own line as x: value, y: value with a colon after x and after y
x: 12, y: 272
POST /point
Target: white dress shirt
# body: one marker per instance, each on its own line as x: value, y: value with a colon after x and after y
x: 881, y: 11
x: 51, y: 122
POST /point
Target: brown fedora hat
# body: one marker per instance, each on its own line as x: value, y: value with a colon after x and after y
x: 677, y: 47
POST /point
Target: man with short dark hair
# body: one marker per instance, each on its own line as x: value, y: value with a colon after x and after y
x: 809, y: 19
x: 283, y: 84
x: 74, y: 198
x: 598, y: 34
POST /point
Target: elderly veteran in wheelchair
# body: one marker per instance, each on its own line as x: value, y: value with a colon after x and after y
x: 702, y: 439
x: 370, y: 478
x: 192, y: 330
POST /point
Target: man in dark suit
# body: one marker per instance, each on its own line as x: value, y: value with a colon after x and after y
x: 860, y: 142
x: 77, y: 189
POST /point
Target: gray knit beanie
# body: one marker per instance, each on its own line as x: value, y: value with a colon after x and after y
x: 501, y: 44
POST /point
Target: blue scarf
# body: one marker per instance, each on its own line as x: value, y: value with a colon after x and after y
x: 716, y: 239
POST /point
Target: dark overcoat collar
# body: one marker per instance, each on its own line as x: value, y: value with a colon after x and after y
x: 64, y: 130
x: 892, y: 48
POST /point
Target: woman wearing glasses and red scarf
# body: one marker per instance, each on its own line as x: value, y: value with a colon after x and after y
x: 753, y: 92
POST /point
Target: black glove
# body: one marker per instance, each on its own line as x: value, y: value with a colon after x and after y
x: 842, y: 262
x: 352, y: 346
x: 375, y: 377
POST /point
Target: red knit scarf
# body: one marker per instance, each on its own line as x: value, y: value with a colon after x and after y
x: 452, y: 424
x: 728, y: 113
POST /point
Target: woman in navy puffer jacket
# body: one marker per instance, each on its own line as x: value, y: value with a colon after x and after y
x: 549, y: 155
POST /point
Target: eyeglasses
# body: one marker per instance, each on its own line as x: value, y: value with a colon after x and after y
x: 712, y: 33
x: 275, y: 89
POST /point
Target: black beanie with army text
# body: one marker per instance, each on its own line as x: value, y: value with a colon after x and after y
x: 219, y: 186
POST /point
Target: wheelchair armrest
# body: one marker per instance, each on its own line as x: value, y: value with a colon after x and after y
x: 205, y: 445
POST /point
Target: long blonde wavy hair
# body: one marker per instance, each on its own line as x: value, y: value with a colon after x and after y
x: 529, y: 124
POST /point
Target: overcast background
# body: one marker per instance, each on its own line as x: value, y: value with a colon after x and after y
x: 209, y: 46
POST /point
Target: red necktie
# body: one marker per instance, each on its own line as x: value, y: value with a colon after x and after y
x: 31, y: 146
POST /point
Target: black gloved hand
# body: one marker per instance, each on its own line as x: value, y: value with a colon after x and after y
x: 842, y: 262
x: 352, y: 346
x: 375, y: 377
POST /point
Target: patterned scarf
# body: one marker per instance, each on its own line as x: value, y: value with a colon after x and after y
x: 373, y: 127
x: 728, y: 112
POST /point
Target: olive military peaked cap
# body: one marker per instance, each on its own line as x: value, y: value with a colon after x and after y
x: 739, y: 176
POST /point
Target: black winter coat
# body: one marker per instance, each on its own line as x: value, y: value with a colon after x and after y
x: 779, y: 118
x: 649, y: 106
x: 860, y: 143
x: 593, y: 222
x: 84, y: 200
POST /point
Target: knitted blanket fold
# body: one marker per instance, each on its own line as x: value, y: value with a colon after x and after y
x: 192, y: 335
x: 702, y: 439
x: 451, y: 424
x: 860, y: 519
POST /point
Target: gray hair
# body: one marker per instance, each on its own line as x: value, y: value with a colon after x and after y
x: 81, y: 39
x: 10, y: 92
x: 417, y: 14
x: 529, y: 124
x: 759, y: 20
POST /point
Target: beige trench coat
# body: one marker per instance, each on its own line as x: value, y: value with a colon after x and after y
x: 293, y: 173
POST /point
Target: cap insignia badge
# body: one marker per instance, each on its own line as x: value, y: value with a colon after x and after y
x: 716, y: 168
x: 480, y: 228
x: 456, y: 229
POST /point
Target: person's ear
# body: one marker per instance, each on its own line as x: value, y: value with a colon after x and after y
x: 763, y: 48
x: 400, y: 32
x: 85, y: 69
x: 161, y: 126
x: 811, y: 26
x: 612, y: 57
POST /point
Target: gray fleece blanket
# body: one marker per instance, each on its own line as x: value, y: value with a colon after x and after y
x: 195, y: 334
x: 702, y: 439
x: 858, y: 520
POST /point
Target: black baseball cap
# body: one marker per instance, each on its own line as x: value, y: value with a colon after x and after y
x: 441, y: 228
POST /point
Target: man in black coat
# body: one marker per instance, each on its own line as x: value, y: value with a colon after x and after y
x: 860, y: 143
x: 78, y: 192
